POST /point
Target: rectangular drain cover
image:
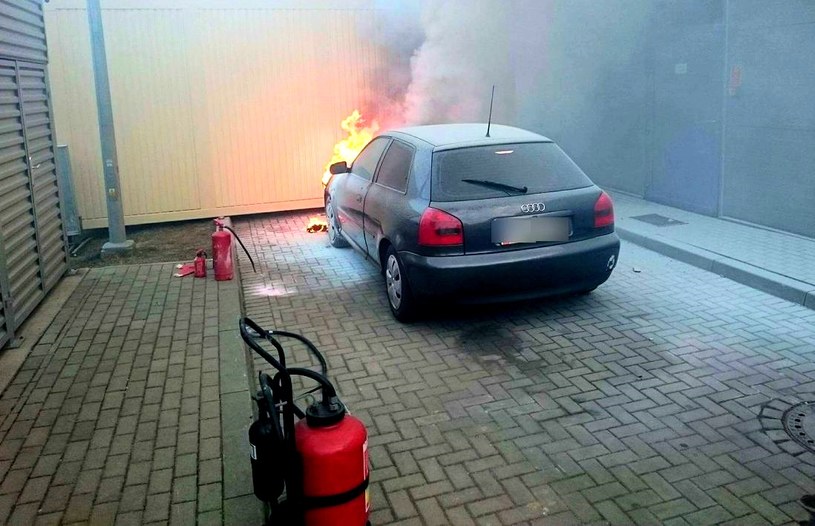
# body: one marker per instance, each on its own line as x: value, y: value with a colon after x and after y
x: 658, y: 220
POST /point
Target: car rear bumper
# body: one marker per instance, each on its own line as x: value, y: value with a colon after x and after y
x: 516, y: 274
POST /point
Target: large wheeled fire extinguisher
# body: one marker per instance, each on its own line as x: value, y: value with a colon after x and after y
x: 222, y: 251
x: 320, y: 462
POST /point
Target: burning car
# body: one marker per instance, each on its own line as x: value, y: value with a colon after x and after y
x: 468, y: 214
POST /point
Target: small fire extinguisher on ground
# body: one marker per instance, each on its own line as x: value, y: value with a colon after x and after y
x: 222, y: 262
x: 222, y: 252
x: 200, y: 264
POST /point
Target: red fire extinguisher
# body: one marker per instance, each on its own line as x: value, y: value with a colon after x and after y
x: 200, y: 264
x: 334, y: 453
x: 222, y: 252
x: 322, y: 461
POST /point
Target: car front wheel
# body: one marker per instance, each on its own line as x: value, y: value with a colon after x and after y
x: 397, y: 288
x: 334, y: 235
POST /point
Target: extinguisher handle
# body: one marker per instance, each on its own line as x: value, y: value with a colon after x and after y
x: 248, y: 323
x: 245, y: 324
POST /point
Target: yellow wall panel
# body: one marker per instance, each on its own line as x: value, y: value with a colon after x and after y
x: 74, y: 107
x: 218, y: 110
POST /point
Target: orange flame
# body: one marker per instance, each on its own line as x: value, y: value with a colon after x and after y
x: 358, y: 136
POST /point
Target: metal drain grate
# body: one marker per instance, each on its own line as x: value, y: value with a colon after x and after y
x: 799, y: 423
x: 658, y: 220
x: 790, y: 425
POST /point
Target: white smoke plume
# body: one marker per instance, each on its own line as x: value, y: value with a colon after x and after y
x: 465, y: 52
x: 441, y: 58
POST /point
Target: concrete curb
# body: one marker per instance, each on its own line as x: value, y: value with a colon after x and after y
x: 738, y: 271
x: 240, y: 505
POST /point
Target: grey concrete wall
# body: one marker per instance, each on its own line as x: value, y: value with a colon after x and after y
x: 587, y: 74
x: 687, y: 53
x: 769, y: 165
x: 582, y: 79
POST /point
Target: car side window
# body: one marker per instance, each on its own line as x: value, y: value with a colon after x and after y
x: 365, y: 163
x: 395, y: 167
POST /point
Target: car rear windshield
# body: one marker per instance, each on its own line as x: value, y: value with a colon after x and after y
x: 539, y: 166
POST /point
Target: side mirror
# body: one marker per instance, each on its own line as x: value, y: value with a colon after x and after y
x: 339, y: 168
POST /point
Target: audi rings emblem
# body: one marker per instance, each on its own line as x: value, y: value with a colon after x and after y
x: 611, y: 262
x: 533, y: 207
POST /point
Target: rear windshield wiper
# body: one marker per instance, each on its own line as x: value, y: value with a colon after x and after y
x: 496, y: 184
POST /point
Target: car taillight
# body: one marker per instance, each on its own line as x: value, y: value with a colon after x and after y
x: 603, y: 211
x: 439, y: 229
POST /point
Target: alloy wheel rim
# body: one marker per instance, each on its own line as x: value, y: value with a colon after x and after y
x: 393, y: 280
x: 329, y: 212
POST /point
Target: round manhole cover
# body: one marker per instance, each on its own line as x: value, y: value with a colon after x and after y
x: 799, y: 423
x: 790, y: 424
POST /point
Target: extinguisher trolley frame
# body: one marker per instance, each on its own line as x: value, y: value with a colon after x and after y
x: 276, y: 396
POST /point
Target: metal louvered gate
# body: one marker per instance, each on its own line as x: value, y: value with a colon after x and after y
x: 33, y: 251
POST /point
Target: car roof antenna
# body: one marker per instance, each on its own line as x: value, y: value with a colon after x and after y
x: 489, y: 120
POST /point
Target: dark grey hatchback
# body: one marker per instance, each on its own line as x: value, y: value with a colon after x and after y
x: 447, y: 212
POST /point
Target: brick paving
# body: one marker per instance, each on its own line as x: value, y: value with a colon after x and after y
x: 636, y: 404
x: 115, y: 416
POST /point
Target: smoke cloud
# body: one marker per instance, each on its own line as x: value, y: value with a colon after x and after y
x: 397, y: 30
x: 576, y: 71
x: 464, y: 53
x: 441, y: 59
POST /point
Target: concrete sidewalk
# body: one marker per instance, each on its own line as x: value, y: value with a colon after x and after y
x: 132, y: 407
x: 775, y: 262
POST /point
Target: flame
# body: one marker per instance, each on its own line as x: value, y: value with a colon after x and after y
x: 358, y: 136
x: 316, y: 224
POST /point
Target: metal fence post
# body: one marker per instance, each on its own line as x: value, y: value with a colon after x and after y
x: 118, y: 241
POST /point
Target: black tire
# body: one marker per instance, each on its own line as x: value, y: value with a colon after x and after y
x: 334, y: 229
x: 397, y: 288
x: 586, y: 292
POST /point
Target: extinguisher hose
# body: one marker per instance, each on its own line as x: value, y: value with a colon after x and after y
x: 328, y: 388
x: 305, y: 341
x: 252, y: 261
x: 247, y: 323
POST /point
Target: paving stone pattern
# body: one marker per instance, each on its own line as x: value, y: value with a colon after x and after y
x: 114, y: 418
x: 635, y: 404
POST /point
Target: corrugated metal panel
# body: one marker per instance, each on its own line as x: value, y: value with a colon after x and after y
x: 5, y: 329
x: 17, y: 221
x: 39, y: 138
x: 4, y: 334
x: 217, y: 111
x: 22, y: 30
x: 33, y: 252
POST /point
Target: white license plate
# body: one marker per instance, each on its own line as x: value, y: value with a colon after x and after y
x: 538, y: 229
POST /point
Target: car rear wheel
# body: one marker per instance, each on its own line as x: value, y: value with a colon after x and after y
x: 334, y: 235
x: 397, y: 288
